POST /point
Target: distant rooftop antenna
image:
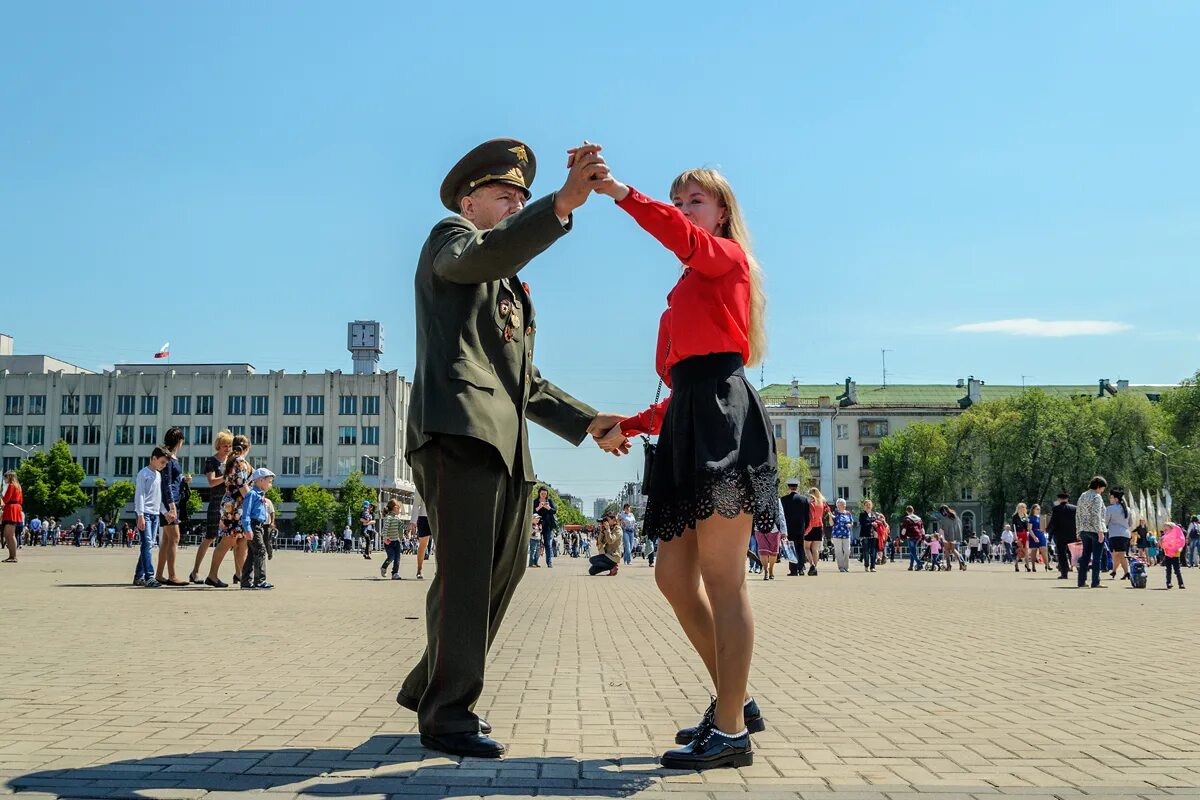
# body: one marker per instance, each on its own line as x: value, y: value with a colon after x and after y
x: 883, y: 356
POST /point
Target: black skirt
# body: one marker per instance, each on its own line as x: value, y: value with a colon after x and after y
x: 716, y: 452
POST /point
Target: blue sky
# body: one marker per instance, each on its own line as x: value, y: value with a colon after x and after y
x: 906, y: 169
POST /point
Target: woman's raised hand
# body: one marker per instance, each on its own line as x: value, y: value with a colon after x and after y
x: 603, y: 183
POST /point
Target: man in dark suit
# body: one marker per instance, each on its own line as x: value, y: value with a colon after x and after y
x: 795, y: 514
x: 474, y: 388
x: 1062, y: 529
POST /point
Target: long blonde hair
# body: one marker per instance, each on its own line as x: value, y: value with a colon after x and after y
x: 714, y: 183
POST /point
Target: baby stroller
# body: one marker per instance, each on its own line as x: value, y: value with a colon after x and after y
x: 1137, y: 573
x: 926, y: 555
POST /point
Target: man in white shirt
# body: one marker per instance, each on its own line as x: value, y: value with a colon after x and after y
x: 147, y: 504
x: 1007, y: 537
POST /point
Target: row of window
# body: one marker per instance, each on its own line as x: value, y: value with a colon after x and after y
x: 843, y: 462
x: 308, y: 467
x: 199, y: 434
x: 260, y: 404
x: 866, y: 428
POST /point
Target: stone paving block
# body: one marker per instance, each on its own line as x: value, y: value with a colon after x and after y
x: 585, y: 706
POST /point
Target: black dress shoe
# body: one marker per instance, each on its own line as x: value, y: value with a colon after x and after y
x: 474, y: 745
x: 750, y: 713
x: 713, y: 749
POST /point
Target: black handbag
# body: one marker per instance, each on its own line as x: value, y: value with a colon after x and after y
x: 648, y: 447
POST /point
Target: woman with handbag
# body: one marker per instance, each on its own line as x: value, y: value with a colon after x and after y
x: 713, y: 477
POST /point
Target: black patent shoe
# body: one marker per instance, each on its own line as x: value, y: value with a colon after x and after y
x: 750, y: 713
x: 472, y: 745
x: 712, y: 749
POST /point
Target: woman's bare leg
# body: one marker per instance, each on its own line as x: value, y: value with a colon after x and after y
x: 422, y: 543
x: 10, y: 540
x: 200, y: 551
x: 224, y: 544
x: 677, y: 574
x: 166, y: 552
x: 720, y: 544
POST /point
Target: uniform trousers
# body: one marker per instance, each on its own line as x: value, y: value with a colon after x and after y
x: 1062, y: 553
x: 797, y: 567
x: 480, y: 515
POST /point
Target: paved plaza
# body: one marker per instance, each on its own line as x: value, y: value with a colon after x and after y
x: 893, y: 685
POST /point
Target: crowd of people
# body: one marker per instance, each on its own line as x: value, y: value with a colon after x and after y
x: 1099, y: 533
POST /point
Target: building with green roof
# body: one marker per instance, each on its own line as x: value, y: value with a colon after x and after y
x: 837, y: 427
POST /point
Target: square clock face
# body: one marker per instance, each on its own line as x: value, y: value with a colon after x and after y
x: 364, y: 336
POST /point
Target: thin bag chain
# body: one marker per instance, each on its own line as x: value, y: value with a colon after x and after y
x: 657, y: 392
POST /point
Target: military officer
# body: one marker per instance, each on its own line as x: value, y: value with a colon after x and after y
x: 474, y: 388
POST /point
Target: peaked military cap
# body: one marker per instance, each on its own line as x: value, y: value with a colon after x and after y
x: 498, y: 161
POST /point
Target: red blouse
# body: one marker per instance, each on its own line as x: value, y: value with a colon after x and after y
x: 708, y: 310
x: 12, y: 504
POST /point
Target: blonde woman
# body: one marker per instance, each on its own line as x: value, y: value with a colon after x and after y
x: 1020, y: 527
x: 214, y: 471
x: 714, y: 476
x: 814, y: 537
x: 237, y: 485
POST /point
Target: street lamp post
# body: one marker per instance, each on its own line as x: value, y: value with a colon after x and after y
x: 379, y: 502
x: 1166, y: 472
x: 22, y: 449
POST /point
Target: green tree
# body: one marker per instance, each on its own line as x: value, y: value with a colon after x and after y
x: 275, y: 496
x: 790, y: 467
x: 315, y: 508
x: 1179, y: 438
x: 351, y: 495
x: 1030, y: 447
x: 195, y: 505
x: 915, y: 466
x: 51, y: 483
x: 111, y: 499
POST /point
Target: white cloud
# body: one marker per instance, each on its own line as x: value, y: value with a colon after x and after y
x: 1038, y: 327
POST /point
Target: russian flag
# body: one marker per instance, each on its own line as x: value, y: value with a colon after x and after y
x: 163, y: 351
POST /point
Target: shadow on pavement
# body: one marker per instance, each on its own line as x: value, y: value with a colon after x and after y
x: 380, y: 765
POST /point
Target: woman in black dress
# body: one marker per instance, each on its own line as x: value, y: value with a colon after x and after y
x: 714, y: 474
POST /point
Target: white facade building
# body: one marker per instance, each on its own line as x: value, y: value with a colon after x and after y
x: 306, y: 427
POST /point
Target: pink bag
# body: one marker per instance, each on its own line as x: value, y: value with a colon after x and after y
x: 1173, y: 540
x: 1076, y: 550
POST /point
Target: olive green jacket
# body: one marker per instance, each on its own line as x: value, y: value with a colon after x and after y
x: 475, y: 332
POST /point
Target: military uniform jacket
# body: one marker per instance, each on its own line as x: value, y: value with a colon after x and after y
x: 475, y: 334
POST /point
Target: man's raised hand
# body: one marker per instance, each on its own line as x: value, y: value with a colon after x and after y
x: 585, y: 166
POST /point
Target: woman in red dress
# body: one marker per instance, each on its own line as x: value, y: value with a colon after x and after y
x: 12, y: 514
x: 714, y: 473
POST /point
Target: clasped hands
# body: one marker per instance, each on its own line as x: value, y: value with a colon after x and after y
x: 606, y: 432
x: 587, y: 172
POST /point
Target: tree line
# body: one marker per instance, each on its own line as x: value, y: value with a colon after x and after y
x: 1032, y: 446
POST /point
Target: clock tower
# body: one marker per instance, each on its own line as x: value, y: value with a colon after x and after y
x: 364, y: 339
